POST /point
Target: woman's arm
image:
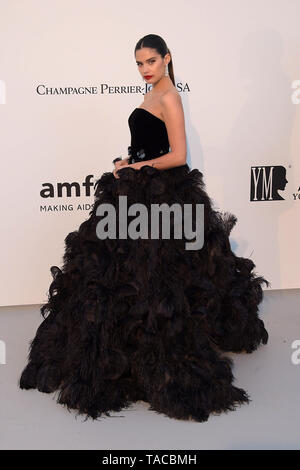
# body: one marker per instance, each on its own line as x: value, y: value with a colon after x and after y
x: 163, y: 162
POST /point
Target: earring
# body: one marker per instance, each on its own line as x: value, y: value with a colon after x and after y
x: 166, y: 71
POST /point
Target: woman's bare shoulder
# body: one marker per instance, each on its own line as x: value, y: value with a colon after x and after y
x: 171, y: 98
x: 172, y: 92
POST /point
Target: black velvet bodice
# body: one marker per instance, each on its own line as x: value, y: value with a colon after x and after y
x: 149, y: 137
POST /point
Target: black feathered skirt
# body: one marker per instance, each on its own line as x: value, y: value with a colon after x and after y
x: 146, y: 319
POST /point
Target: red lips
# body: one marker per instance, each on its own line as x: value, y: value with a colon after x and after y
x: 148, y: 76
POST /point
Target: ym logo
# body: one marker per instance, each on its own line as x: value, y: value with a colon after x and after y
x: 266, y: 181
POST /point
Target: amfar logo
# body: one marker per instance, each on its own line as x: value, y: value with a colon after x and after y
x: 266, y: 181
x: 66, y: 190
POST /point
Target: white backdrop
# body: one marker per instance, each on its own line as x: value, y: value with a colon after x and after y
x: 68, y: 82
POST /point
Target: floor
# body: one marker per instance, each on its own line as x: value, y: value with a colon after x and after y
x: 33, y: 420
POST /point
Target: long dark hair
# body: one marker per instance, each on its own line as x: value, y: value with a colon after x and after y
x: 156, y: 42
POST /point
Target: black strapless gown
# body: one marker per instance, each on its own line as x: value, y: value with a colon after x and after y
x: 146, y: 319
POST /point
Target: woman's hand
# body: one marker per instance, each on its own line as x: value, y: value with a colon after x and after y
x: 115, y: 173
x: 125, y: 165
x: 120, y: 163
x: 120, y: 167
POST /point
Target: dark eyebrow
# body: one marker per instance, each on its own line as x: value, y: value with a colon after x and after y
x: 138, y: 62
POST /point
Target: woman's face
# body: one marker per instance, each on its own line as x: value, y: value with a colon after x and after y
x: 150, y: 64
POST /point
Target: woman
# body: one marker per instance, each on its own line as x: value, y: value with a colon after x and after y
x: 144, y: 318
